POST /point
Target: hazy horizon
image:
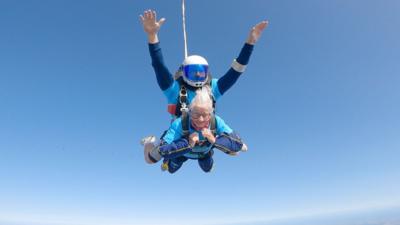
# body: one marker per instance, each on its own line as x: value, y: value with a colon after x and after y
x: 377, y: 216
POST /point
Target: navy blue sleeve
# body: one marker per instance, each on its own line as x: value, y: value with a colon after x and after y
x: 175, y: 149
x: 230, y: 77
x: 245, y: 53
x: 164, y: 77
x: 228, y: 143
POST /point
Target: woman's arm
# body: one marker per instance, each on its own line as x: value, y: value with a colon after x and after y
x: 227, y: 140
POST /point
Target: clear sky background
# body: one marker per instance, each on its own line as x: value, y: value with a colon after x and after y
x: 318, y: 107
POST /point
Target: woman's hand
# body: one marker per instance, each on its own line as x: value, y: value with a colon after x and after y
x: 193, y: 139
x: 208, y: 135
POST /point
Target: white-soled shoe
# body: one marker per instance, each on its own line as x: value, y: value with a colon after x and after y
x: 233, y: 153
x: 149, y: 144
x: 148, y: 139
x: 244, y: 148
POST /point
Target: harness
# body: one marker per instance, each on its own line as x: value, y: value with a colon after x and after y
x: 181, y: 110
x: 202, y: 148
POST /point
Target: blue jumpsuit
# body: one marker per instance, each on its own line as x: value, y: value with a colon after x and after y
x: 176, y: 149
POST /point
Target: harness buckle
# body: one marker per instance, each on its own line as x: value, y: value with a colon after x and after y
x: 184, y: 108
x: 183, y: 100
x: 183, y: 95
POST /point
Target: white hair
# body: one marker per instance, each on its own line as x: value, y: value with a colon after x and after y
x: 202, y: 99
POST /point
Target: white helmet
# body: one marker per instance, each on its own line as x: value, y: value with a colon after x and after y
x: 195, y: 70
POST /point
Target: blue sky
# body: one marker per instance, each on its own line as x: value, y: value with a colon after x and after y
x: 318, y: 107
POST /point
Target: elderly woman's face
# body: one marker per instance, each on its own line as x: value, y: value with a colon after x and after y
x: 200, y: 116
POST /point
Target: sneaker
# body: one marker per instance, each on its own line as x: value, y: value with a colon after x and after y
x: 244, y: 148
x: 148, y: 139
x: 149, y: 145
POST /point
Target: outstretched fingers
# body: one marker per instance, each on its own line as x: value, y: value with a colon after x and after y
x: 256, y: 31
x: 162, y: 20
x: 150, y: 16
x: 144, y: 17
x: 147, y: 15
x: 261, y: 26
x: 154, y: 17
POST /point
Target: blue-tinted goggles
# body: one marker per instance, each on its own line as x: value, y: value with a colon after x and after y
x: 196, y: 72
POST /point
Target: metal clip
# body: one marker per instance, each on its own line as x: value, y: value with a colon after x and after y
x: 183, y: 96
x: 184, y: 108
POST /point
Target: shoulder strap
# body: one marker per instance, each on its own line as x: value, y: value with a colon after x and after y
x: 213, y: 124
x: 185, y: 124
x: 183, y: 100
x: 183, y: 94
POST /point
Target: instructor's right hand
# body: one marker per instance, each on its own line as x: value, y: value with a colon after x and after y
x: 150, y: 24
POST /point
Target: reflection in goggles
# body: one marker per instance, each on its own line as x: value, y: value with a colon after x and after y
x: 196, y: 72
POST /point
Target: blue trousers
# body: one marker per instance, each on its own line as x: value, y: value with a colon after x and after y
x: 205, y: 163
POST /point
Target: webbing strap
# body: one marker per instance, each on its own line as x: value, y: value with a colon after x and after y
x: 213, y: 124
x: 185, y: 124
x: 183, y: 98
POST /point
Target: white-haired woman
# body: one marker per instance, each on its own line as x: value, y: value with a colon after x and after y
x: 176, y: 146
